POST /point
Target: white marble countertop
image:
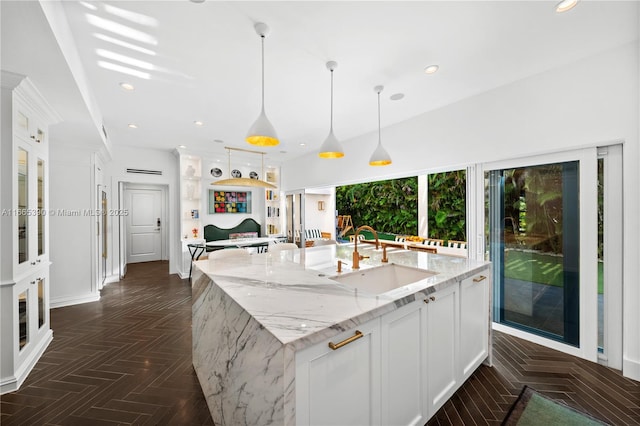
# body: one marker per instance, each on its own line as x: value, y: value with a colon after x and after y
x: 291, y: 295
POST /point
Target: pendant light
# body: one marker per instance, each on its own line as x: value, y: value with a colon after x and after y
x: 331, y: 148
x: 243, y: 181
x: 262, y: 132
x: 380, y: 156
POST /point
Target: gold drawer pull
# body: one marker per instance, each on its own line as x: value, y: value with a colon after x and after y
x: 480, y: 278
x: 346, y: 341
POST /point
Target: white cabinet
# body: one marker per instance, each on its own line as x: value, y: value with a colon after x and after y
x: 442, y: 331
x: 419, y: 358
x: 340, y: 386
x: 475, y: 305
x: 404, y: 366
x: 403, y: 373
x: 24, y: 287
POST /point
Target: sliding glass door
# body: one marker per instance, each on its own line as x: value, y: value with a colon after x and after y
x: 534, y: 243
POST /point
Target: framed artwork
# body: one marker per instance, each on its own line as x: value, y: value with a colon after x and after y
x: 229, y: 201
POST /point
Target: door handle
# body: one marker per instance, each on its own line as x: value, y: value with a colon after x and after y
x: 158, y: 224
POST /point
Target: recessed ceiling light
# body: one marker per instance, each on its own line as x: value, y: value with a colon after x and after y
x: 198, y: 123
x: 197, y: 1
x: 132, y: 126
x: 218, y: 141
x: 565, y: 5
x: 303, y: 144
x: 283, y: 152
x: 127, y: 86
x: 182, y: 146
x: 431, y: 69
x: 396, y: 96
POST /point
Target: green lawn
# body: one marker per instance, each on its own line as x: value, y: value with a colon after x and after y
x: 539, y: 268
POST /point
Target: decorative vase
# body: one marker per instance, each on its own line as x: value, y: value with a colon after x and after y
x: 190, y: 190
x: 190, y: 171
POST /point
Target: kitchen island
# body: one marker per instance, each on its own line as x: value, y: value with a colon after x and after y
x: 277, y: 340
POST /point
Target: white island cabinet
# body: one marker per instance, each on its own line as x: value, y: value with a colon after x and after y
x: 339, y: 386
x: 277, y: 340
x: 398, y: 369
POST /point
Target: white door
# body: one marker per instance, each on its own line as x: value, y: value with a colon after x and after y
x: 144, y: 225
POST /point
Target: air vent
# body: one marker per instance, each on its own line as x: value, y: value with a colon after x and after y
x: 145, y: 172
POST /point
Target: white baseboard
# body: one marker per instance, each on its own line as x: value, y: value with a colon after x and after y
x: 112, y: 279
x: 631, y: 369
x: 13, y: 383
x: 183, y: 275
x: 60, y: 302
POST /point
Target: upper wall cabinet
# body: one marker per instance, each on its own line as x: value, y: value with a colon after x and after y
x: 24, y: 243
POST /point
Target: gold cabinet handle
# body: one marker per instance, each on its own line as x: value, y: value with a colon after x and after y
x: 480, y: 278
x: 358, y: 334
x: 431, y: 298
x: 426, y: 300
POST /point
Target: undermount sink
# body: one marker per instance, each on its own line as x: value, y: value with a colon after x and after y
x: 382, y: 279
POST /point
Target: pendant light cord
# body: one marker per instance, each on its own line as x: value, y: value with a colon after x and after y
x: 262, y: 38
x: 331, y: 100
x: 379, y: 137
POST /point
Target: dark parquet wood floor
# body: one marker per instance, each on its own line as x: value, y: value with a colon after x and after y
x: 123, y: 360
x: 127, y: 360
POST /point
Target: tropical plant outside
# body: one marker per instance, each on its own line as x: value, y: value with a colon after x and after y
x: 391, y: 206
x: 447, y: 205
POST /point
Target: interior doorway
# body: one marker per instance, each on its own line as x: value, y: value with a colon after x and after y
x: 145, y: 233
x: 295, y: 217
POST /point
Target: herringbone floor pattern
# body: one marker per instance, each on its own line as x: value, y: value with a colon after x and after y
x: 489, y: 393
x: 127, y: 360
x: 123, y: 360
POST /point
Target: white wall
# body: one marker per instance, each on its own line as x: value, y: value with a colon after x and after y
x: 145, y: 159
x: 324, y: 220
x: 588, y: 103
x: 72, y: 239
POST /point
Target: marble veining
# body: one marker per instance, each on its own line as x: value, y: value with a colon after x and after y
x: 251, y: 316
x: 291, y: 295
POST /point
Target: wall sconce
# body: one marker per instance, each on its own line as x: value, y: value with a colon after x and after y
x: 320, y: 205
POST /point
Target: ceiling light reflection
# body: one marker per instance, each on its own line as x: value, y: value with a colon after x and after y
x: 121, y: 30
x: 125, y: 44
x: 124, y: 70
x: 88, y: 5
x: 125, y: 59
x: 135, y: 17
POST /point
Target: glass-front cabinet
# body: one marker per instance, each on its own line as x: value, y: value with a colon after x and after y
x: 24, y: 247
x: 31, y: 211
